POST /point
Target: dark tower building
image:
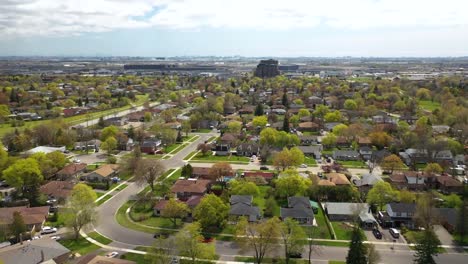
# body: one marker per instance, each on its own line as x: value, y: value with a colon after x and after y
x: 267, y: 69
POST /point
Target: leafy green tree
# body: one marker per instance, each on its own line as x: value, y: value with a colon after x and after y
x: 270, y: 206
x: 260, y: 121
x: 260, y: 237
x: 26, y: 176
x: 427, y: 246
x: 234, y: 127
x: 109, y: 145
x: 162, y: 251
x: 391, y: 163
x: 81, y: 209
x: 292, y: 184
x: 268, y: 136
x: 340, y: 129
x: 334, y: 116
x: 148, y: 171
x: 211, y: 212
x: 407, y: 196
x: 186, y: 127
x: 381, y: 194
x: 433, y: 168
x: 110, y: 131
x: 286, y: 123
x: 242, y: 187
x: 357, y: 250
x: 259, y: 110
x: 175, y: 210
x: 303, y: 113
x: 189, y: 243
x: 186, y: 171
x: 329, y: 140
x: 297, y: 156
x: 292, y: 237
x: 17, y: 226
x: 350, y: 104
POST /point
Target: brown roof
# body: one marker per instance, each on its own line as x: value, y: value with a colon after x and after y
x: 228, y: 137
x: 160, y: 205
x: 95, y: 259
x: 364, y: 140
x: 338, y: 178
x: 57, y: 189
x: 325, y: 183
x: 31, y: 215
x: 266, y: 175
x: 448, y: 181
x: 107, y: 169
x: 72, y: 169
x: 190, y: 186
x: 398, y: 177
x: 200, y: 171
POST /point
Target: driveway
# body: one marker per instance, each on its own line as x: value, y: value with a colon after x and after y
x: 444, y: 236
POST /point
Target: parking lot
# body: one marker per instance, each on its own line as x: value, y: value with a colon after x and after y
x: 386, y: 236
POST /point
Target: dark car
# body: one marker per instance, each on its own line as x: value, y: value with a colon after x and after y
x: 377, y: 233
x: 161, y: 235
x: 263, y: 168
x: 295, y: 255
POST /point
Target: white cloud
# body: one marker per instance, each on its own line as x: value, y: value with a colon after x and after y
x: 70, y: 17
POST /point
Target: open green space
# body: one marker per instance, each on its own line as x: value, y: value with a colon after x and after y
x: 260, y: 199
x: 125, y: 222
x: 336, y: 262
x: 99, y: 238
x: 429, y: 105
x: 310, y: 161
x: 121, y: 187
x: 80, y: 245
x: 203, y: 130
x: 272, y: 260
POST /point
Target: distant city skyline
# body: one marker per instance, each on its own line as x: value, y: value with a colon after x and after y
x: 261, y: 28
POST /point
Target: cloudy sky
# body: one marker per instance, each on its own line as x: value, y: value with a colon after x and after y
x: 234, y: 27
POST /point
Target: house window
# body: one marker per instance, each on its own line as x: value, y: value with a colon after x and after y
x: 398, y: 214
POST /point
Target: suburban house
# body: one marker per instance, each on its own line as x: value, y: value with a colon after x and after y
x: 346, y: 155
x: 184, y: 189
x: 365, y: 152
x: 103, y: 173
x: 448, y: 184
x: 116, y: 121
x: 96, y: 259
x: 248, y: 149
x: 307, y: 140
x: 337, y: 178
x: 411, y: 155
x: 308, y: 127
x: 200, y: 172
x: 150, y: 146
x: 71, y: 171
x: 347, y: 211
x: 59, y: 190
x: 398, y: 214
x: 91, y: 145
x: 366, y: 182
x: 412, y: 180
x: 34, y: 217
x: 35, y: 251
x: 241, y: 205
x: 299, y: 209
x: 314, y: 151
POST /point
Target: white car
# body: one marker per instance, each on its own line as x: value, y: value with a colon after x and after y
x: 394, y: 232
x: 36, y: 237
x: 48, y: 230
x: 112, y: 254
x: 303, y: 166
x: 55, y: 237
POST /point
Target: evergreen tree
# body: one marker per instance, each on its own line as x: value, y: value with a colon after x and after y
x: 18, y: 226
x: 101, y: 122
x: 462, y: 226
x: 259, y: 110
x: 426, y: 247
x: 186, y: 171
x: 357, y: 250
x: 284, y: 100
x: 286, y: 123
x: 179, y: 136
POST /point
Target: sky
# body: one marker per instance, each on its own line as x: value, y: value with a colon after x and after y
x: 254, y: 28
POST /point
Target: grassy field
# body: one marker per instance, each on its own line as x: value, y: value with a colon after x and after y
x: 125, y: 222
x: 137, y: 258
x: 321, y: 231
x: 310, y: 161
x: 343, y: 231
x: 103, y: 200
x: 73, y: 120
x: 260, y: 200
x: 209, y: 157
x: 336, y: 262
x: 353, y: 163
x: 80, y: 246
x: 429, y: 105
x: 99, y: 238
x: 272, y: 260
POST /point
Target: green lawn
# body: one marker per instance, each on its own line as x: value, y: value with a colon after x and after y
x: 429, y: 105
x: 260, y: 200
x: 121, y: 187
x: 179, y: 148
x: 456, y: 237
x: 125, y: 222
x: 99, y: 194
x: 210, y: 158
x: 203, y: 130
x: 99, y: 238
x: 272, y: 260
x: 80, y: 246
x: 353, y: 163
x: 336, y: 262
x: 332, y: 243
x: 310, y: 161
x: 152, y: 156
x: 343, y: 230
x: 137, y: 258
x: 321, y: 230
x: 103, y: 200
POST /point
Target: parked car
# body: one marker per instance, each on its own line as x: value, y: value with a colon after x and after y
x: 161, y: 235
x: 295, y: 255
x: 36, y: 237
x: 112, y: 254
x: 55, y: 237
x: 377, y: 233
x: 48, y: 230
x: 303, y: 166
x: 394, y: 232
x: 264, y: 168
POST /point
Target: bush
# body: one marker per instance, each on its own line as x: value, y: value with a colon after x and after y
x: 112, y: 160
x: 99, y: 185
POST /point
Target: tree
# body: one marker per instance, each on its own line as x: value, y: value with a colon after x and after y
x: 162, y: 251
x: 220, y: 170
x: 292, y: 184
x: 110, y: 131
x: 26, y: 177
x: 357, y: 250
x: 109, y: 145
x: 426, y: 248
x: 80, y: 208
x: 204, y: 148
x: 17, y: 227
x: 260, y: 121
x: 287, y: 158
x: 260, y: 237
x: 148, y: 171
x: 453, y: 201
x: 329, y: 140
x: 147, y: 117
x: 286, y: 123
x: 334, y: 116
x: 350, y: 104
x: 391, y: 163
x: 242, y: 187
x: 303, y: 112
x: 284, y: 100
x: 259, y: 110
x: 432, y: 168
x: 211, y: 212
x: 189, y: 243
x: 297, y: 156
x: 407, y: 196
x: 268, y: 136
x: 175, y: 210
x: 292, y: 237
x: 381, y: 194
x: 186, y: 127
x: 425, y: 215
x: 234, y: 127
x: 340, y: 129
x: 186, y: 171
x: 380, y: 139
x: 270, y: 206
